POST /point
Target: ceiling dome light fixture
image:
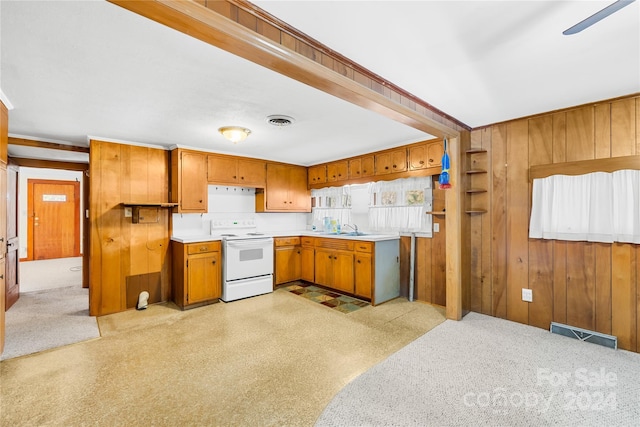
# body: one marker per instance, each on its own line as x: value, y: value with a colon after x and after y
x: 234, y: 134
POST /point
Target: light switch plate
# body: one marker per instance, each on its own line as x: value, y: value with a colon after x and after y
x: 436, y: 227
x: 128, y: 212
x: 527, y: 295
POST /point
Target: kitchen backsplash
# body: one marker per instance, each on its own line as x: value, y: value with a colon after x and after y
x: 228, y: 202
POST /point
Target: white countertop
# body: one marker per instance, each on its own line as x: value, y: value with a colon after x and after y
x: 367, y: 237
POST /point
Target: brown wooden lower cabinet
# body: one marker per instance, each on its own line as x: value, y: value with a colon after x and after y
x: 197, y: 273
x: 368, y: 270
x: 287, y: 259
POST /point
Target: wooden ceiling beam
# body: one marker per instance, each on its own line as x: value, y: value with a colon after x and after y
x: 48, y: 164
x: 49, y: 145
x: 193, y: 19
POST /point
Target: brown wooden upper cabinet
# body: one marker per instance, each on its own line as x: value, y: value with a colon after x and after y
x: 285, y: 190
x: 236, y: 171
x: 361, y: 167
x: 427, y: 155
x: 189, y: 181
x: 338, y: 171
x: 318, y: 174
x: 391, y: 161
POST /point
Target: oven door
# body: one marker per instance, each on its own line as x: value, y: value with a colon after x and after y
x: 248, y: 258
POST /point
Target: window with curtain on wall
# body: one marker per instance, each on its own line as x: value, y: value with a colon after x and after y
x: 401, y: 205
x: 392, y: 206
x: 595, y: 207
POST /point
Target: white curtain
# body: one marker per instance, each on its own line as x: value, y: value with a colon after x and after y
x: 332, y: 202
x: 401, y: 205
x: 595, y: 207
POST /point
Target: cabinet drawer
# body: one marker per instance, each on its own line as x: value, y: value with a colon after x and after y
x: 307, y: 241
x: 286, y: 241
x: 340, y: 244
x: 364, y: 247
x: 198, y: 248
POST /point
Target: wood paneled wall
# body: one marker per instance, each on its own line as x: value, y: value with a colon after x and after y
x: 126, y: 256
x: 588, y: 285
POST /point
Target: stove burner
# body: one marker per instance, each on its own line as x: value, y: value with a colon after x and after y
x: 255, y: 234
x: 228, y: 235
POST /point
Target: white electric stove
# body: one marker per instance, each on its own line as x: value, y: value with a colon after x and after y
x: 247, y: 268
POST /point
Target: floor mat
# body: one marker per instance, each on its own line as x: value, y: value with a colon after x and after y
x: 326, y: 297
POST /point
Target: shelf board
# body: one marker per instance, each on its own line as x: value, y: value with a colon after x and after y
x: 475, y: 190
x: 475, y: 211
x: 474, y: 171
x: 152, y: 204
x: 475, y: 151
x: 436, y: 213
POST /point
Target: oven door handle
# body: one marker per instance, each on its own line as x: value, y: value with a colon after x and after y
x: 249, y: 242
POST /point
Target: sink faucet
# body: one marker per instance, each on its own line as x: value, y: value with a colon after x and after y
x: 354, y: 227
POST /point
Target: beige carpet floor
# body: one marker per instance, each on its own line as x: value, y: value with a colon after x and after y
x: 484, y: 371
x: 275, y: 359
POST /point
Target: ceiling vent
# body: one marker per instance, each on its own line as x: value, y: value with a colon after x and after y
x: 280, y: 121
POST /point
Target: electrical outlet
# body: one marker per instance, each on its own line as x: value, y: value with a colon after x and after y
x: 128, y: 212
x: 527, y: 295
x: 436, y: 227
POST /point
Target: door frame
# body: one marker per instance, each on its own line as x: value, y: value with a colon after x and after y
x: 30, y: 205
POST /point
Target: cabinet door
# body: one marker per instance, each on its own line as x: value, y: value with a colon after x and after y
x: 4, y: 132
x: 363, y: 275
x: 399, y: 160
x: 324, y: 267
x: 355, y: 168
x: 343, y: 271
x: 252, y: 173
x: 222, y: 170
x: 193, y: 182
x: 307, y: 262
x: 383, y: 163
x: 367, y: 165
x: 203, y: 281
x: 418, y: 157
x: 435, y: 150
x: 337, y: 171
x: 299, y: 195
x: 288, y: 267
x: 277, y: 189
x: 317, y: 174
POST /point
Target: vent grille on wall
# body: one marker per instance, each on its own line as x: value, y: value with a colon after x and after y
x: 584, y: 335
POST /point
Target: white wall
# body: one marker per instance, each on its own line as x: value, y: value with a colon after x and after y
x: 25, y: 174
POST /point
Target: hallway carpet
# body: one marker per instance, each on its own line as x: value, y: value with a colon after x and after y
x: 48, y: 319
x: 274, y: 359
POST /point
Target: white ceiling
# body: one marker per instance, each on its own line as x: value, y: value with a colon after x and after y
x: 79, y: 69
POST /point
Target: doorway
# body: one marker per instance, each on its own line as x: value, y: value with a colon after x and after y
x: 53, y: 219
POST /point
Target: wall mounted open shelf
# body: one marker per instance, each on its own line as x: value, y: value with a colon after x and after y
x: 146, y: 212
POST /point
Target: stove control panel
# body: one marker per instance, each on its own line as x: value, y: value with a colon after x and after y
x: 233, y: 224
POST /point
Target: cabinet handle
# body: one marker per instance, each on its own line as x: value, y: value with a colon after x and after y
x: 394, y: 166
x: 214, y: 261
x: 364, y: 171
x: 234, y: 177
x: 358, y: 261
x: 329, y: 256
x: 358, y: 172
x: 431, y: 160
x: 386, y: 167
x: 203, y: 249
x: 200, y: 200
x: 242, y: 177
x: 1, y: 276
x: 422, y: 161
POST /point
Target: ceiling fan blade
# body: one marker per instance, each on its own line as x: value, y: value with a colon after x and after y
x: 614, y: 7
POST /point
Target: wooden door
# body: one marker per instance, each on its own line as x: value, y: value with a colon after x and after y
x: 204, y: 277
x: 324, y: 267
x: 343, y: 271
x: 307, y: 264
x: 277, y: 190
x: 299, y: 195
x: 287, y: 264
x: 222, y: 169
x: 53, y: 219
x: 252, y: 173
x: 2, y: 306
x: 193, y: 182
x: 363, y: 276
x: 434, y: 154
x: 367, y: 166
x: 12, y: 285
